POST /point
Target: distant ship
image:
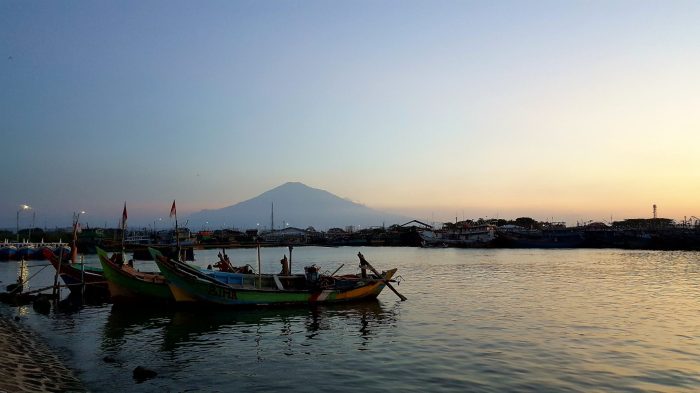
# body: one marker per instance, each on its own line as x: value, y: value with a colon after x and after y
x: 474, y: 236
x: 555, y: 236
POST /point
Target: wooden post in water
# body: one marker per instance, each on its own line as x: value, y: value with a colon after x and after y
x: 56, y: 287
x: 259, y: 268
x: 82, y: 277
x: 290, y: 259
x: 20, y: 279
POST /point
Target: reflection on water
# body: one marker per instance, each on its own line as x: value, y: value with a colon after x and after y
x: 475, y: 320
x: 177, y: 328
x: 204, y: 349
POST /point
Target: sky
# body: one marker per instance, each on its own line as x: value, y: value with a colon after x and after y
x: 565, y: 111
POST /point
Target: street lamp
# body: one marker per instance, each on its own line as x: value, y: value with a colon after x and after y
x: 21, y: 208
x: 76, y: 218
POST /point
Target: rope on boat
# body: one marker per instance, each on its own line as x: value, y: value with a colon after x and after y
x: 37, y: 272
x: 41, y: 289
x: 41, y: 264
x: 87, y: 283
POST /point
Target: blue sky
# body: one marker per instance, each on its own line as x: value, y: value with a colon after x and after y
x: 563, y: 110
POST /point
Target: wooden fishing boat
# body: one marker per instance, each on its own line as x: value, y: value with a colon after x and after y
x: 78, y: 275
x: 128, y: 285
x: 191, y: 285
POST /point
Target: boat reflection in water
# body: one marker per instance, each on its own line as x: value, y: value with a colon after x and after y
x: 290, y: 328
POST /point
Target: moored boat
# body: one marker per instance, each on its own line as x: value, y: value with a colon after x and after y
x: 128, y: 285
x: 190, y: 285
x: 78, y: 277
x: 61, y: 249
x: 545, y: 238
x: 7, y: 252
x: 26, y: 251
x: 460, y: 236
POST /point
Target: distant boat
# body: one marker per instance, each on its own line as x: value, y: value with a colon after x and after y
x: 7, y: 252
x: 189, y: 285
x: 477, y: 236
x: 62, y: 249
x: 26, y: 251
x: 556, y: 237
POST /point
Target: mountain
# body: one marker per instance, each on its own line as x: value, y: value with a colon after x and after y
x: 296, y: 205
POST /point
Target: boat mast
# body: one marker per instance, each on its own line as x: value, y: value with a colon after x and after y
x: 124, y: 216
x: 173, y: 212
x: 74, y: 244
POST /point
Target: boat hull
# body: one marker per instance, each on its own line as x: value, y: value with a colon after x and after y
x: 127, y: 285
x: 542, y: 240
x: 8, y: 253
x: 26, y: 253
x: 80, y: 279
x: 190, y: 286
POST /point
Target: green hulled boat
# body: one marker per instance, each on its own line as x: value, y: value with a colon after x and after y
x: 191, y: 285
x: 128, y: 285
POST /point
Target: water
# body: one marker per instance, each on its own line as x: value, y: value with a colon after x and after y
x: 475, y: 320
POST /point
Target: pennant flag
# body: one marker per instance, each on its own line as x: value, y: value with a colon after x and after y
x: 173, y: 210
x: 124, y: 217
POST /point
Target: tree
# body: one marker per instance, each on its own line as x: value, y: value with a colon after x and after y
x: 527, y: 222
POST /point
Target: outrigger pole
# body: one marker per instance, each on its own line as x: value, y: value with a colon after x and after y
x: 364, y: 263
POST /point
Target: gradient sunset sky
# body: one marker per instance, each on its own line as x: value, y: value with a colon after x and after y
x: 564, y: 110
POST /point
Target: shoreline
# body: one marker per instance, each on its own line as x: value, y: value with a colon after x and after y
x: 30, y: 364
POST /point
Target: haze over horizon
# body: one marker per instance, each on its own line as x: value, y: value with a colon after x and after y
x: 569, y: 111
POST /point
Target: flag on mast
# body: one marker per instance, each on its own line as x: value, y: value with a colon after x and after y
x: 173, y: 210
x: 124, y: 217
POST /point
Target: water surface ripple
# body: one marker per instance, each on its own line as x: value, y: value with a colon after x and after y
x: 476, y: 320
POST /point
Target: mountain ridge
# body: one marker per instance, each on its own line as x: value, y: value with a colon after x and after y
x: 295, y: 204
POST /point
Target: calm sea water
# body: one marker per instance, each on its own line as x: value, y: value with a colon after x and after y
x: 475, y: 320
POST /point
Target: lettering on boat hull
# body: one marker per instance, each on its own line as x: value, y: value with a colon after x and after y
x: 226, y: 293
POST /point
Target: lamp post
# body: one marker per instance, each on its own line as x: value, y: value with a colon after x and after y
x: 21, y: 208
x: 155, y: 230
x: 32, y: 227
